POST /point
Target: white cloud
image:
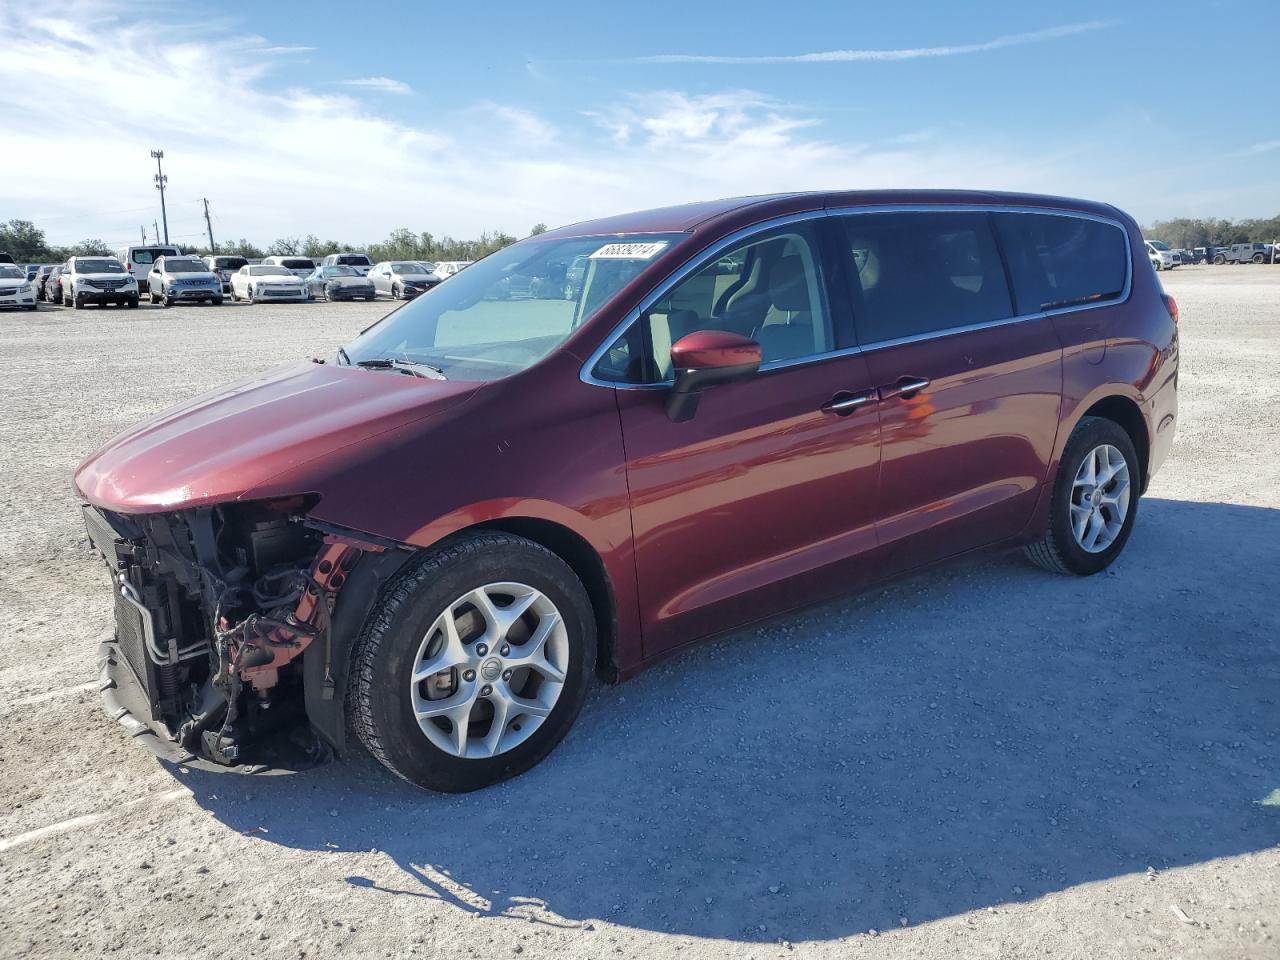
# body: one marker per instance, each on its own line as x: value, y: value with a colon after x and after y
x: 908, y: 53
x: 380, y: 84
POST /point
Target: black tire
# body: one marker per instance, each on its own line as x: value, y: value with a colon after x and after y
x: 77, y: 302
x: 1057, y: 550
x: 216, y: 301
x: 132, y: 303
x: 249, y: 291
x: 379, y: 709
x: 31, y: 307
x: 1219, y: 260
x: 396, y: 292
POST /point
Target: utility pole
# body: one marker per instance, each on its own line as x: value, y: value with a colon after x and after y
x: 161, y: 180
x: 155, y: 229
x: 143, y: 228
x: 213, y: 247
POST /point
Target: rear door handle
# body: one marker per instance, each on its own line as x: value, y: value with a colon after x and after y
x: 843, y: 404
x: 906, y: 387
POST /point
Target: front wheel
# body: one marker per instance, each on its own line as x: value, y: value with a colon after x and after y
x: 396, y: 292
x: 474, y: 663
x: 1095, y: 500
x: 132, y: 303
x: 1219, y: 260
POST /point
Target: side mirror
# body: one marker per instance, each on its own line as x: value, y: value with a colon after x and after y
x: 707, y: 358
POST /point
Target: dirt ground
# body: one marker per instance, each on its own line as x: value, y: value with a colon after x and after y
x: 983, y: 761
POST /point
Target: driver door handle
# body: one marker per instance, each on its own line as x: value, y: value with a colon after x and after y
x: 906, y: 387
x: 843, y: 404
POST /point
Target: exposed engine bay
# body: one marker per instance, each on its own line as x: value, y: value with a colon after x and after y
x: 214, y: 609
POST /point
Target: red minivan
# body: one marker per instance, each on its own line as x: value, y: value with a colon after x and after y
x: 514, y: 482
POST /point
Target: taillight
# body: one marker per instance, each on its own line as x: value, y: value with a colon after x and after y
x: 1172, y: 306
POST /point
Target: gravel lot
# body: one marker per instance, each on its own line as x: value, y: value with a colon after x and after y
x: 984, y: 761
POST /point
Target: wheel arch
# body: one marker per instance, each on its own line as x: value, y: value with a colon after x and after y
x: 1125, y: 411
x: 589, y: 567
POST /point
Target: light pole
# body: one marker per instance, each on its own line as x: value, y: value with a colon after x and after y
x: 161, y: 180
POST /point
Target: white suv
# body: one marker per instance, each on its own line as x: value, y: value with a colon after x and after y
x: 99, y: 280
x: 356, y: 261
x: 1162, y: 258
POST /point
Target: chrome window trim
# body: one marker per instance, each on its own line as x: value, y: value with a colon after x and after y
x: 705, y: 256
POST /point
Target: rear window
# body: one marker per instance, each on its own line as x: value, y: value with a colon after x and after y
x: 152, y: 254
x: 920, y: 273
x: 229, y: 263
x: 353, y: 260
x: 1058, y: 260
x: 293, y: 264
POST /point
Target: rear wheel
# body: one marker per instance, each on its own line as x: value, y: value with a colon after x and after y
x: 474, y: 664
x: 1095, y: 500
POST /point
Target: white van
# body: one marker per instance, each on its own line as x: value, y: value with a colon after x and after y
x: 299, y: 266
x: 139, y: 259
x: 356, y: 261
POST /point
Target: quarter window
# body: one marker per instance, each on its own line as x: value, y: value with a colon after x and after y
x: 1059, y: 261
x: 922, y: 273
x: 768, y: 289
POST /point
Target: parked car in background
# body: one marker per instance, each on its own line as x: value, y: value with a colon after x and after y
x: 1246, y: 253
x: 300, y: 267
x: 1162, y: 258
x: 183, y: 279
x: 267, y: 282
x: 447, y: 268
x: 403, y: 279
x: 41, y: 276
x: 31, y: 269
x: 53, y: 284
x: 357, y: 261
x: 339, y: 283
x: 16, y: 289
x: 98, y: 280
x: 224, y: 267
x: 5, y: 257
x: 501, y: 497
x: 140, y: 258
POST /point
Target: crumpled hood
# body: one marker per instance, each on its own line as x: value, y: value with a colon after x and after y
x: 276, y: 433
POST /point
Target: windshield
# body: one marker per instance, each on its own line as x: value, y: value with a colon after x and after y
x: 511, y: 309
x: 340, y: 272
x: 1159, y: 245
x: 416, y: 269
x: 269, y: 271
x: 185, y: 266
x: 9, y: 272
x: 355, y: 259
x: 99, y: 266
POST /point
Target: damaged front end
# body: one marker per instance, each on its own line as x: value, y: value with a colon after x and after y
x: 215, y: 607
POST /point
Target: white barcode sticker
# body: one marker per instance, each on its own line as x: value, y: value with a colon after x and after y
x: 629, y: 251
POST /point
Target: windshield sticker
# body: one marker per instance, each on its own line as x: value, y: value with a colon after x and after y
x: 629, y: 251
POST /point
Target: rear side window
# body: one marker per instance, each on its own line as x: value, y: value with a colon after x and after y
x: 922, y: 273
x: 1060, y: 261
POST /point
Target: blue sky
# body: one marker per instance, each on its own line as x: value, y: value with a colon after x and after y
x: 348, y: 122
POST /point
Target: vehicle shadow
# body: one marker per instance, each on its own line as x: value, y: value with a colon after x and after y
x: 982, y: 733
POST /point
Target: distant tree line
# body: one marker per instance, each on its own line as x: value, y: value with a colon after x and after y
x: 26, y: 242
x: 1188, y: 233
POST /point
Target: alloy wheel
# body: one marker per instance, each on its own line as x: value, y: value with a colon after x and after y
x: 490, y: 670
x: 1100, y: 498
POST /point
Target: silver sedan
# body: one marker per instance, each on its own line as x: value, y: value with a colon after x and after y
x: 403, y: 279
